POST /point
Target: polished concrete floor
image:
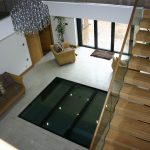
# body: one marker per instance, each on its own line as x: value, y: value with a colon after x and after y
x: 91, y: 71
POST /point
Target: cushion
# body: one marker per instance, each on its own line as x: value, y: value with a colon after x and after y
x: 58, y: 47
x: 6, y: 79
x: 2, y: 89
x: 68, y: 49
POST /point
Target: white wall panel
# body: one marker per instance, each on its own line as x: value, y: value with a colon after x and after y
x: 6, y: 28
x: 112, y: 13
x: 70, y: 33
x: 14, y: 54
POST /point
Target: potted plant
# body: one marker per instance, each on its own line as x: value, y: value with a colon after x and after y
x: 60, y: 28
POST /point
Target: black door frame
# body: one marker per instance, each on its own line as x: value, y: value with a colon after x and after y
x: 112, y: 44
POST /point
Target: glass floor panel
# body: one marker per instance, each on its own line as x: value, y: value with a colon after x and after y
x: 67, y: 109
x: 65, y: 114
x: 82, y: 132
x: 46, y: 101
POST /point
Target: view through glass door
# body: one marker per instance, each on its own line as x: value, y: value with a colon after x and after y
x: 102, y: 35
x: 88, y: 32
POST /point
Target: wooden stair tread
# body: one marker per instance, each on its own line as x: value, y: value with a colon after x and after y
x: 135, y: 94
x: 141, y: 50
x: 109, y: 146
x: 145, y: 23
x: 146, y: 13
x: 126, y: 141
x: 133, y: 110
x: 138, y: 63
x: 137, y: 78
x: 143, y: 36
x: 132, y: 127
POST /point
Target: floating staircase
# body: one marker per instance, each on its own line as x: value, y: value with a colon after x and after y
x: 145, y: 22
x: 135, y: 94
x: 124, y: 142
x: 133, y: 110
x: 130, y: 125
x: 141, y: 50
x: 137, y: 78
x: 139, y: 64
x: 143, y: 36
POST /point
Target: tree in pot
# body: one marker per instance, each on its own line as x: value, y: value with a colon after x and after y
x: 60, y: 28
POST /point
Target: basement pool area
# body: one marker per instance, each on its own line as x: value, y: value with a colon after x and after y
x: 67, y: 109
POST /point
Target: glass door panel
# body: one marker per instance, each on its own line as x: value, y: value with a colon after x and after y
x: 104, y: 35
x: 88, y: 32
x: 120, y: 30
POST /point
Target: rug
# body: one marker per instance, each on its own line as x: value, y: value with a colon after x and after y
x: 102, y: 54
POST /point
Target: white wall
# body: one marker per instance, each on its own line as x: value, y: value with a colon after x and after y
x: 6, y: 28
x: 112, y: 13
x: 70, y: 33
x: 14, y: 57
x: 53, y: 25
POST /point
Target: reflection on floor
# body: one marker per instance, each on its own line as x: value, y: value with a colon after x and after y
x: 87, y: 70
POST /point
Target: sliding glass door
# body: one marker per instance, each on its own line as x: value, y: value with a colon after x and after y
x: 120, y: 31
x: 88, y: 32
x: 102, y: 35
